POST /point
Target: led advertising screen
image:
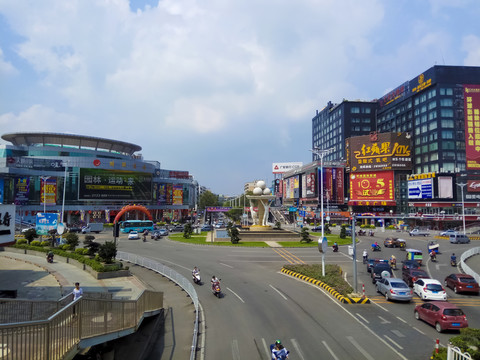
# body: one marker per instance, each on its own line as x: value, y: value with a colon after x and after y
x: 100, y: 184
x: 372, y: 186
x: 420, y: 189
x: 471, y: 95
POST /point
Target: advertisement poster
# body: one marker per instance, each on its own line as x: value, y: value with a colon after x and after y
x: 177, y: 194
x: 48, y: 191
x: 22, y: 187
x: 372, y: 186
x: 338, y: 181
x: 7, y: 223
x: 169, y: 194
x: 296, y: 187
x: 2, y: 184
x: 420, y: 189
x: 162, y: 194
x: 46, y: 222
x: 101, y: 184
x: 310, y: 184
x: 471, y: 95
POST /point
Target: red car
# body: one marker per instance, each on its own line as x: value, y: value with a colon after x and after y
x: 412, y: 275
x: 462, y: 283
x: 441, y: 314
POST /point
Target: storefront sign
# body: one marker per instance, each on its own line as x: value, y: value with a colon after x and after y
x: 7, y: 224
x: 372, y: 186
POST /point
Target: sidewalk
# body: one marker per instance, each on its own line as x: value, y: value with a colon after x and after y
x: 168, y: 337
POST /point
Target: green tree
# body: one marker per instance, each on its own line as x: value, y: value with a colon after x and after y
x: 91, y: 245
x: 30, y: 234
x: 343, y: 232
x: 71, y: 239
x: 187, y: 231
x: 108, y: 251
x: 235, y: 214
x: 233, y: 233
x: 305, y: 235
x: 207, y: 199
x: 53, y: 237
x: 278, y: 225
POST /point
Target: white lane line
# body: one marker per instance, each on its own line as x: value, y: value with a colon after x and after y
x: 399, y: 318
x: 234, y: 293
x: 398, y: 333
x: 235, y: 351
x: 384, y: 321
x: 279, y: 293
x: 267, y: 348
x: 297, y: 349
x: 420, y: 331
x: 362, y: 350
x: 361, y: 317
x: 330, y: 350
x: 226, y: 265
x: 393, y: 342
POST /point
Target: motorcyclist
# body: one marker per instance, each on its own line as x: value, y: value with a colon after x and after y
x: 214, y: 282
x: 371, y: 233
x: 50, y: 256
x: 433, y: 255
x: 195, y: 272
x: 365, y: 256
x: 453, y: 259
x: 335, y: 246
x: 279, y: 352
x: 393, y: 262
x: 375, y: 245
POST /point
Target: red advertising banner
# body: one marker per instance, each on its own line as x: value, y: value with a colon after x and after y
x: 471, y: 95
x: 327, y: 186
x: 339, y: 184
x: 473, y: 186
x: 48, y: 191
x: 372, y: 186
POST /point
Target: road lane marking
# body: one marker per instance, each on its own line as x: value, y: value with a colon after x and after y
x: 361, y: 317
x: 297, y: 349
x: 399, y: 318
x: 384, y: 321
x: 329, y: 350
x: 235, y: 350
x: 287, y: 255
x: 226, y: 265
x: 267, y: 349
x: 234, y: 293
x: 398, y: 333
x: 420, y: 331
x: 279, y: 293
x: 393, y: 342
x: 362, y: 350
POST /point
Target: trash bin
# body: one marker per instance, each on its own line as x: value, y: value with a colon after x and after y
x: 350, y: 250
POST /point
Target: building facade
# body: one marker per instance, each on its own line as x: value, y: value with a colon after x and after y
x: 88, y: 179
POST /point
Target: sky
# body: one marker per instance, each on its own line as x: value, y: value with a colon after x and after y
x: 222, y: 89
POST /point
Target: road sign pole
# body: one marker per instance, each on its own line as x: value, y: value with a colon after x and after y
x: 354, y: 245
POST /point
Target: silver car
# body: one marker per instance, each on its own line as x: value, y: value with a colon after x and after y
x: 394, y: 289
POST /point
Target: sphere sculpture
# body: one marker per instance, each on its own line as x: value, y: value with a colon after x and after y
x: 260, y: 204
x: 257, y: 191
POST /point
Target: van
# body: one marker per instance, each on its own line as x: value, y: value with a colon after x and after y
x: 92, y: 227
x: 459, y: 239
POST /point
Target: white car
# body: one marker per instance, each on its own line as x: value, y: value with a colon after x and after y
x: 133, y: 235
x: 429, y: 289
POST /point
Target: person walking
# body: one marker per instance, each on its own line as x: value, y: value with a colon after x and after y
x: 77, y: 293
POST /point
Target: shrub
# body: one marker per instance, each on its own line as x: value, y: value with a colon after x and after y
x: 71, y: 239
x: 305, y: 236
x: 45, y: 243
x: 343, y: 232
x: 108, y: 251
x: 30, y: 234
x: 81, y: 251
x: 22, y: 241
x: 37, y: 243
x: 65, y: 247
x: 187, y: 231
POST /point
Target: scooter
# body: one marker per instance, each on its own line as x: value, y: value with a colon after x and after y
x: 361, y: 232
x: 335, y: 248
x: 453, y: 262
x: 376, y: 248
x: 50, y: 258
x: 433, y: 256
x: 216, y: 290
x: 196, y: 278
x: 371, y: 233
x: 393, y: 264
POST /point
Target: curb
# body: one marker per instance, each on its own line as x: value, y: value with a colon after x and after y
x: 335, y: 293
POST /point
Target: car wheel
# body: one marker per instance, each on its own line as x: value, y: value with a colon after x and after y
x: 378, y: 290
x: 455, y: 290
x: 438, y: 327
x: 417, y: 315
x: 386, y: 296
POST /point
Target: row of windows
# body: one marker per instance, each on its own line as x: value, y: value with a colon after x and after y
x: 360, y: 120
x: 360, y: 110
x: 452, y: 167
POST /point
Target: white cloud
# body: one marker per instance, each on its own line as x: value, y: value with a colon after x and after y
x: 471, y: 45
x: 6, y: 68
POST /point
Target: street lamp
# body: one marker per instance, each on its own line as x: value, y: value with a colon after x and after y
x: 44, y: 178
x: 321, y: 153
x: 462, y: 185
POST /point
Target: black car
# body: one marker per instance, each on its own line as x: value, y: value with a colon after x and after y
x: 410, y: 264
x: 372, y: 262
x: 377, y: 270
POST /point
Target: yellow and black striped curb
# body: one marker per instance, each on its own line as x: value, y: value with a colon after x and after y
x: 335, y: 293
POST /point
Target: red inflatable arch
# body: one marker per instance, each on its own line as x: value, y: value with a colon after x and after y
x: 132, y: 207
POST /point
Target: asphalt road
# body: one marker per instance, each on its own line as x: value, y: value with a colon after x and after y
x: 260, y: 304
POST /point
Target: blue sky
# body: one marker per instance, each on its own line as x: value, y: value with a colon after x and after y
x: 219, y: 88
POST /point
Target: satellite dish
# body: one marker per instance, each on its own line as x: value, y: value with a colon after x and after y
x: 60, y: 228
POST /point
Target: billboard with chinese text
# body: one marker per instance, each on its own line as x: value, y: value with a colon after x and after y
x: 471, y: 95
x: 372, y: 186
x: 48, y: 191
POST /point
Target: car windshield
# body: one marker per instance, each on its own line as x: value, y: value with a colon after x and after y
x: 418, y: 273
x: 399, y: 285
x: 467, y: 280
x: 452, y: 312
x: 434, y: 287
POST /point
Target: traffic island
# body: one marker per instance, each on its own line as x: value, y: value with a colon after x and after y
x: 335, y: 293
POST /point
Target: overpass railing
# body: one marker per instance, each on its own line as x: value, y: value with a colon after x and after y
x: 467, y: 269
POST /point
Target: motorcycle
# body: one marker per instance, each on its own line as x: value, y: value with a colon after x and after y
x: 361, y: 232
x: 453, y: 262
x: 371, y: 233
x: 376, y: 248
x: 393, y: 264
x: 216, y: 290
x: 335, y: 248
x: 433, y: 256
x: 196, y: 278
x: 50, y: 258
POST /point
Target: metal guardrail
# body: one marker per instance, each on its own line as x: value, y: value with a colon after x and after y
x: 467, y: 269
x: 59, y: 336
x: 183, y: 282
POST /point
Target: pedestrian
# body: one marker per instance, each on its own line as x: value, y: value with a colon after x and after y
x: 77, y: 293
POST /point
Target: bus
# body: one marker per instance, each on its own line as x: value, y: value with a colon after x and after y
x: 136, y: 225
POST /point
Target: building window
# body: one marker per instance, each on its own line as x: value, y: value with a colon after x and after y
x: 434, y: 157
x: 432, y: 125
x: 432, y: 115
x: 448, y: 145
x: 355, y: 110
x: 418, y: 150
x: 355, y: 120
x: 432, y: 137
x: 424, y: 149
x: 434, y: 167
x: 448, y: 166
x: 433, y: 146
x: 432, y: 105
x: 447, y: 134
x: 446, y: 102
x: 448, y: 123
x: 446, y: 113
x: 446, y: 91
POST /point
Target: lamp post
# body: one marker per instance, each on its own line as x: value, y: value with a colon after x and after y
x: 44, y: 178
x: 64, y: 188
x: 321, y: 153
x: 462, y: 185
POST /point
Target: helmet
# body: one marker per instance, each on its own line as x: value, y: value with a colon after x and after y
x: 277, y: 342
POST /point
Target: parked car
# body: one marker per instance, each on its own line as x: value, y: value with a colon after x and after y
x: 429, y: 289
x: 178, y: 228
x: 462, y: 283
x: 206, y: 227
x: 317, y: 228
x: 441, y: 314
x: 448, y: 232
x: 459, y: 239
x: 163, y: 231
x: 418, y: 232
x: 378, y: 269
x: 75, y: 229
x: 394, y: 289
x: 133, y: 235
x: 372, y: 262
x: 410, y: 264
x: 412, y: 275
x: 394, y: 242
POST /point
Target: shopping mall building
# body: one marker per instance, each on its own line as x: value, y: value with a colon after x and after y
x: 91, y: 179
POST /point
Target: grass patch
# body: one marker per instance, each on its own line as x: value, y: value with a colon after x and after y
x: 201, y: 239
x: 333, y: 275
